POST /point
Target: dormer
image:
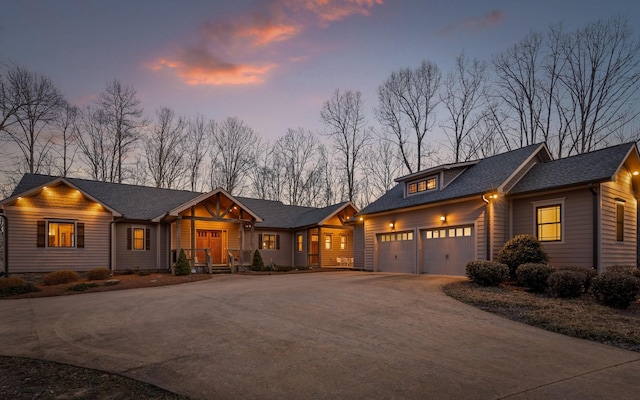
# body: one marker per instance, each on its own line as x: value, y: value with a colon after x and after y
x: 432, y: 179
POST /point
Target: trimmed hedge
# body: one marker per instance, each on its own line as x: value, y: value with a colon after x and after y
x: 11, y: 286
x: 487, y: 273
x: 534, y: 276
x: 521, y: 249
x: 566, y: 284
x: 615, y: 290
x: 99, y: 274
x: 587, y: 273
x: 60, y: 277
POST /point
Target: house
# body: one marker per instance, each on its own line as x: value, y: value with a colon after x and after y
x: 583, y: 209
x: 54, y: 223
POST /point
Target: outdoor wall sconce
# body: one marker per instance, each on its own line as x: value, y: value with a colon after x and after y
x: 635, y: 173
x: 443, y: 218
x: 391, y: 225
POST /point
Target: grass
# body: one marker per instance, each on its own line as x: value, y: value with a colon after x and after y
x: 582, y: 318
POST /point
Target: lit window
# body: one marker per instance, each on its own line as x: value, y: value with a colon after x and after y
x: 299, y: 242
x: 422, y: 186
x: 62, y: 234
x: 327, y: 242
x: 620, y: 222
x: 269, y: 241
x: 431, y: 183
x: 343, y: 242
x: 467, y: 231
x: 452, y: 232
x: 410, y: 236
x: 549, y: 223
x: 138, y: 238
x: 413, y: 188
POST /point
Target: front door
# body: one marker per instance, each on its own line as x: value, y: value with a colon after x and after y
x: 211, y: 240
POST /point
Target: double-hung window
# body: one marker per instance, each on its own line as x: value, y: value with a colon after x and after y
x: 549, y: 222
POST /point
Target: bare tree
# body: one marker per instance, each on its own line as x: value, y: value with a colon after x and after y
x: 232, y: 153
x: 121, y: 106
x: 12, y: 96
x: 36, y: 102
x: 297, y: 152
x: 406, y: 109
x: 602, y: 76
x: 197, y: 146
x: 164, y: 149
x: 66, y: 137
x: 382, y: 167
x: 463, y: 98
x: 95, y: 143
x: 343, y: 116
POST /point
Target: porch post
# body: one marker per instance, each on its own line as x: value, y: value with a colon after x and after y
x: 193, y: 237
x: 320, y: 246
x: 178, y: 243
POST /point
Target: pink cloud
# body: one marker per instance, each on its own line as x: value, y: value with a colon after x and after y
x: 479, y: 23
x: 241, y: 50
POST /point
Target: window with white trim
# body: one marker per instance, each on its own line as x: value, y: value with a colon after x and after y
x: 343, y: 242
x: 328, y: 242
x: 549, y: 223
x: 138, y: 239
x: 422, y: 185
x: 299, y: 242
x: 61, y: 234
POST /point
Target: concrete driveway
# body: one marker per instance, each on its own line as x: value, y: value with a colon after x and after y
x: 338, y: 335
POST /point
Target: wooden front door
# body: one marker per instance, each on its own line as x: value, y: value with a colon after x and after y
x: 211, y: 240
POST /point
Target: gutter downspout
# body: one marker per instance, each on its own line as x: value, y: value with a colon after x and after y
x: 486, y: 229
x: 5, y: 272
x: 595, y: 226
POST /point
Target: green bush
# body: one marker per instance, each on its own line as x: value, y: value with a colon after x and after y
x: 615, y: 290
x: 257, y: 264
x: 534, y: 276
x: 625, y: 269
x: 487, y: 273
x: 183, y: 267
x: 99, y: 274
x: 566, y: 284
x: 587, y: 274
x: 521, y: 249
x: 13, y: 285
x: 81, y: 287
x: 59, y: 277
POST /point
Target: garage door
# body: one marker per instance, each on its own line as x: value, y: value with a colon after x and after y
x: 447, y: 251
x: 397, y: 252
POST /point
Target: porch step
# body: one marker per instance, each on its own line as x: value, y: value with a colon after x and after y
x: 220, y: 270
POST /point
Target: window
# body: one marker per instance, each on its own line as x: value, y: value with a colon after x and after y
x: 620, y: 222
x: 422, y: 186
x: 62, y: 234
x: 393, y: 237
x: 451, y: 232
x: 138, y: 238
x: 299, y: 242
x: 549, y: 223
x: 343, y: 242
x: 328, y: 242
x: 269, y: 241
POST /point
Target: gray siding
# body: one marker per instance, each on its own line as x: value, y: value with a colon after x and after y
x: 577, y: 244
x: 25, y: 256
x: 615, y: 252
x: 283, y: 256
x: 500, y: 213
x: 358, y: 246
x: 300, y: 257
x: 136, y: 259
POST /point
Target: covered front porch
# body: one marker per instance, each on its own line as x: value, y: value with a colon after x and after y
x: 215, y: 232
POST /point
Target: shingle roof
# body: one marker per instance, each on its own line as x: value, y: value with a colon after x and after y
x: 596, y: 166
x: 145, y: 203
x: 478, y: 179
x: 134, y: 202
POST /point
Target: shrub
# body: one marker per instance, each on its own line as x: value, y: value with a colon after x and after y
x: 614, y: 289
x: 487, y: 273
x: 257, y: 264
x: 587, y: 274
x: 81, y: 287
x: 521, y: 249
x: 534, y: 276
x: 99, y: 274
x: 13, y: 285
x: 625, y: 270
x: 182, y: 264
x: 566, y: 284
x: 60, y: 277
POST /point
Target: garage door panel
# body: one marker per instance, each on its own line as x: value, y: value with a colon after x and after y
x: 447, y: 251
x: 396, y: 252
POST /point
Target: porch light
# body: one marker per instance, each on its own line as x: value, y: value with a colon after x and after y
x: 635, y: 173
x: 361, y: 218
x: 391, y: 225
x: 443, y: 218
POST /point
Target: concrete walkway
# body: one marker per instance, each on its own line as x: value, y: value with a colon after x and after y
x: 334, y: 335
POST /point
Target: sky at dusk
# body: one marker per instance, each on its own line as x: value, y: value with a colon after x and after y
x: 272, y: 63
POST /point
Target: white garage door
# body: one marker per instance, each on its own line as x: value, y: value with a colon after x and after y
x: 447, y: 251
x: 397, y: 252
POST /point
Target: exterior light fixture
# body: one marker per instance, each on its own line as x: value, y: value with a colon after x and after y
x: 361, y: 219
x: 44, y: 188
x: 391, y: 225
x: 443, y: 218
x: 635, y: 173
